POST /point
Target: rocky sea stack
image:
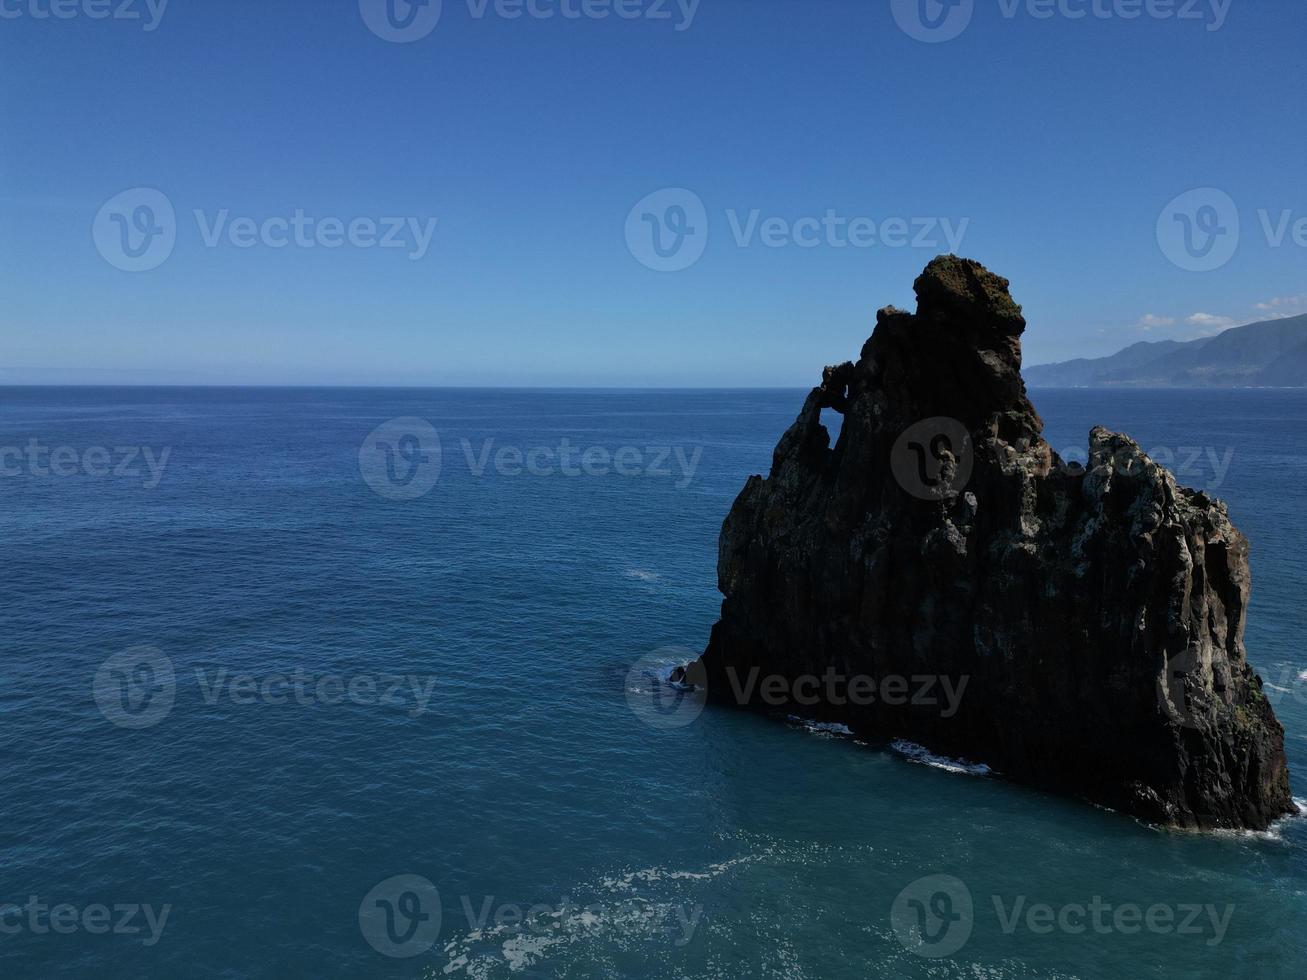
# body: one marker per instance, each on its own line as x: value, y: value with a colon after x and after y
x: 1089, y: 619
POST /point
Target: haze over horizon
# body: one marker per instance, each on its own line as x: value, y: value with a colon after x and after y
x: 521, y: 165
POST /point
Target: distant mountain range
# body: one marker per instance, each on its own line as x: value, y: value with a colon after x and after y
x: 1271, y: 354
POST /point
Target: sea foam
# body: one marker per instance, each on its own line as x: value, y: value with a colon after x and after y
x: 919, y: 753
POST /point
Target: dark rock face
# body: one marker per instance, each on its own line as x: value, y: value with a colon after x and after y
x: 1090, y: 619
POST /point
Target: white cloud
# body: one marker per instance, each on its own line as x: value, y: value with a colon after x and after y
x: 1148, y: 321
x: 1209, y: 321
x: 1210, y: 324
x: 1284, y: 303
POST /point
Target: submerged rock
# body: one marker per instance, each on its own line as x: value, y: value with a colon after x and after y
x: 939, y: 575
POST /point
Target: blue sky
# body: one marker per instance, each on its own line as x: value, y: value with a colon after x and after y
x: 832, y: 154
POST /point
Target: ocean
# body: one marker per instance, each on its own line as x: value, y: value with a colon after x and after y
x: 353, y: 683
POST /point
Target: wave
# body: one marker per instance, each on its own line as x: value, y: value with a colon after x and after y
x: 615, y: 916
x: 919, y: 753
x: 624, y: 883
x: 635, y: 914
x: 820, y: 727
x: 1274, y: 833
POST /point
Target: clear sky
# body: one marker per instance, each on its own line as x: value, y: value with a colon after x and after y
x: 1047, y: 145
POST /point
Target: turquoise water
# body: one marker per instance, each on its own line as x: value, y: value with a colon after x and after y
x: 463, y: 716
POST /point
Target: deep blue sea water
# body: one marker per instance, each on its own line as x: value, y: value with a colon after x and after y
x: 200, y: 718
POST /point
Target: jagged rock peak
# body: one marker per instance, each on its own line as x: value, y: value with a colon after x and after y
x: 958, y: 356
x: 952, y: 288
x: 1090, y: 618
